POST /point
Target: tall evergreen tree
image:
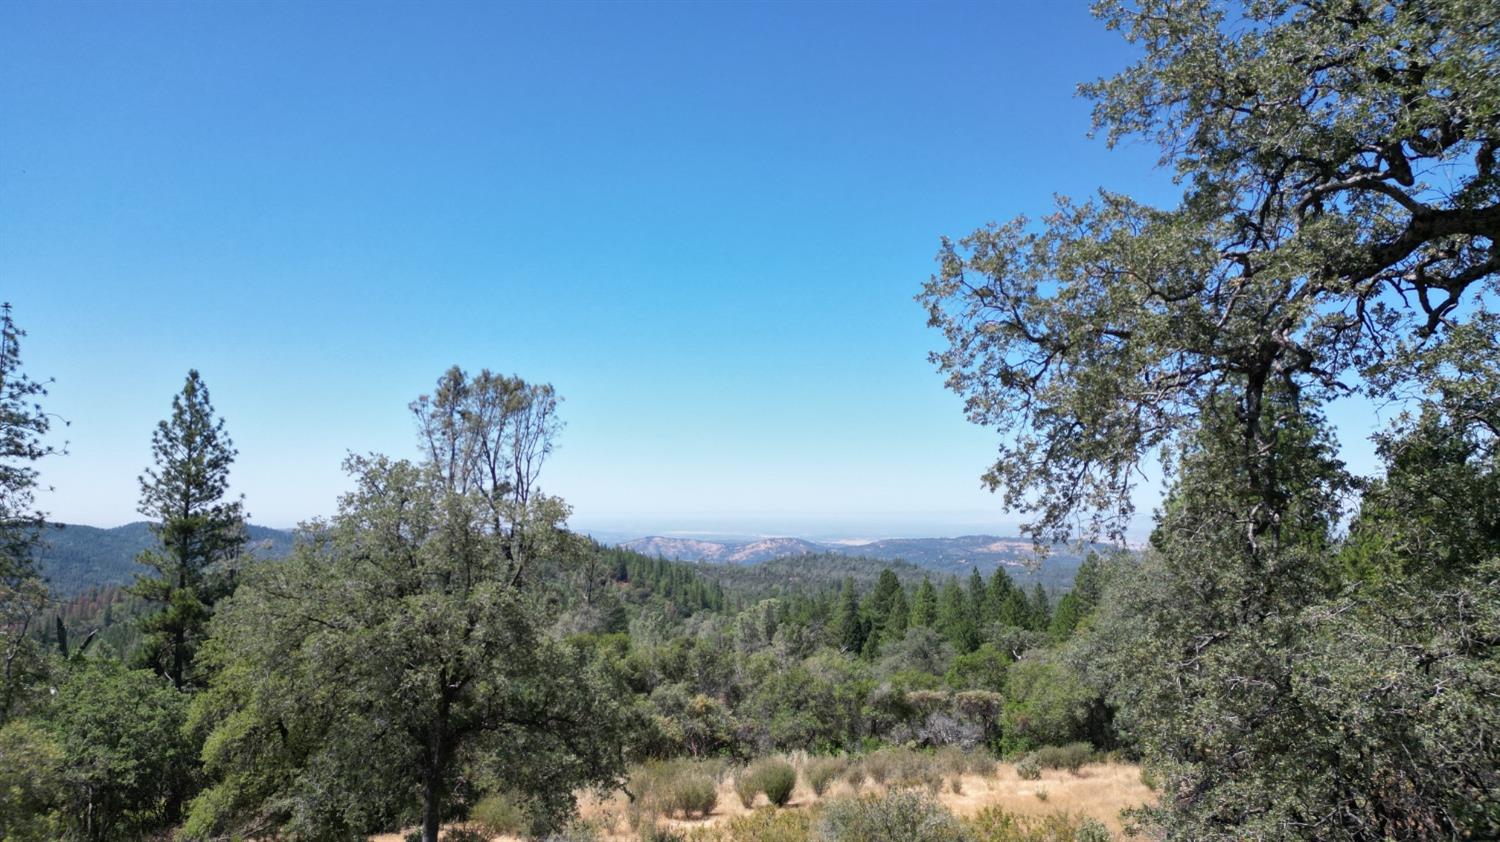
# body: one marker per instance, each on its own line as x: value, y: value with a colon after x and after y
x: 200, y: 531
x: 953, y: 619
x: 848, y: 625
x: 23, y: 428
x: 898, y: 618
x: 979, y: 603
x: 924, y: 605
x: 1041, y: 608
x: 999, y: 590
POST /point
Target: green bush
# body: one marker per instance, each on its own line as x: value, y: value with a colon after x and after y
x: 767, y: 825
x: 1071, y: 756
x: 993, y: 824
x: 1028, y: 769
x: 575, y: 832
x: 746, y: 788
x: 821, y: 773
x: 499, y: 814
x: 776, y: 778
x: 465, y: 834
x: 900, y: 816
x: 676, y: 787
x: 692, y: 795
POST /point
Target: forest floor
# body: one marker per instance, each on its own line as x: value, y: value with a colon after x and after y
x: 1099, y: 790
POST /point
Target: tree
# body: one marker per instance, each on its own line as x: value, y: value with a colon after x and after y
x: 848, y: 624
x: 23, y: 429
x: 924, y: 606
x: 1040, y: 608
x: 404, y: 629
x: 1309, y: 248
x: 954, y: 619
x: 124, y: 753
x: 1339, y: 228
x: 200, y: 532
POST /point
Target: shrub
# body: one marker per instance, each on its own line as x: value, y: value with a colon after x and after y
x: 499, y: 814
x: 776, y: 778
x: 901, y: 816
x: 682, y: 787
x: 766, y: 825
x: 465, y: 834
x: 821, y: 772
x: 692, y: 795
x: 982, y: 764
x: 993, y: 824
x: 1071, y: 756
x: 879, y: 766
x: 576, y: 832
x: 854, y: 775
x: 1028, y: 769
x: 653, y: 832
x: 746, y: 787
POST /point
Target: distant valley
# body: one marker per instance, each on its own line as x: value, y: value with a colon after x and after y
x: 938, y: 555
x: 76, y: 558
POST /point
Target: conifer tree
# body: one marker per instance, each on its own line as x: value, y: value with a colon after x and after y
x: 23, y: 427
x: 999, y: 590
x: 924, y: 606
x: 200, y: 531
x: 979, y: 614
x: 1041, y: 608
x: 848, y: 626
x: 953, y: 620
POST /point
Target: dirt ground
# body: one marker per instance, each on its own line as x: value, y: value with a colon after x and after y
x: 1100, y: 790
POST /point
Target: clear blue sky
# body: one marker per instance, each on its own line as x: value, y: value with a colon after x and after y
x: 703, y: 223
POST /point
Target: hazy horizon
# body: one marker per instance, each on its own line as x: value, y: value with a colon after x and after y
x: 704, y: 225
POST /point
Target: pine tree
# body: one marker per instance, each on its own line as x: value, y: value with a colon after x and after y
x: 848, y: 626
x: 1041, y: 609
x: 953, y: 620
x: 997, y: 593
x: 199, y: 531
x: 23, y: 596
x: 897, y: 618
x: 979, y: 614
x: 924, y: 606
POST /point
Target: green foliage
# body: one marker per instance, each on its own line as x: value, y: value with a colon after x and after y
x: 1071, y: 757
x: 23, y: 427
x: 993, y: 824
x: 821, y: 772
x: 768, y: 825
x: 199, y: 532
x: 500, y: 815
x: 676, y: 788
x: 1045, y: 704
x: 408, y: 629
x: 31, y: 770
x: 1029, y: 768
x: 126, y: 759
x: 898, y: 816
x: 774, y: 777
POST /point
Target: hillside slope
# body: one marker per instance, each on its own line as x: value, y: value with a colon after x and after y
x: 74, y: 558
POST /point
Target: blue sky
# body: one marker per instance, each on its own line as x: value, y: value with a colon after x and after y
x: 703, y: 223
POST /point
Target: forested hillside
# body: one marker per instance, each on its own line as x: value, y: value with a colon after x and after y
x: 73, y: 558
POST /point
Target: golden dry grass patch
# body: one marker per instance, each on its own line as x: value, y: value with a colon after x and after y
x: 1098, y: 790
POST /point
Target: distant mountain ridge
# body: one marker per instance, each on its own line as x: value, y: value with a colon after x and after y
x: 74, y: 558
x: 943, y: 555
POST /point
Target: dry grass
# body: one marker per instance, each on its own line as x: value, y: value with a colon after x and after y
x: 1099, y: 790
